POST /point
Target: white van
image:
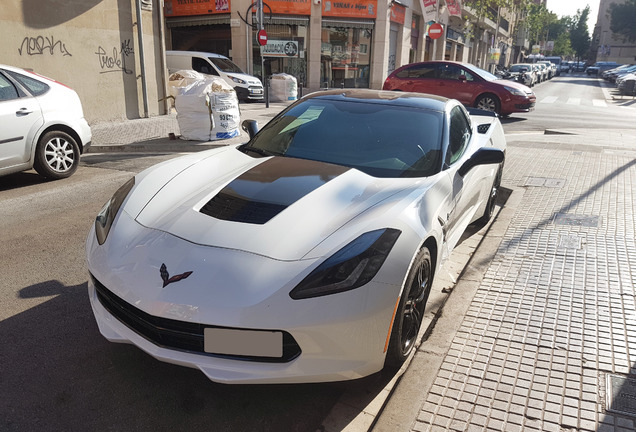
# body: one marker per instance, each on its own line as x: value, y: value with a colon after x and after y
x: 246, y: 86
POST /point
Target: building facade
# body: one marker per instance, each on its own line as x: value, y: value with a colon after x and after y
x: 605, y: 44
x: 112, y: 52
x: 96, y: 47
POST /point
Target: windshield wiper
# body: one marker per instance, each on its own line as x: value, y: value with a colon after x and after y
x: 259, y: 151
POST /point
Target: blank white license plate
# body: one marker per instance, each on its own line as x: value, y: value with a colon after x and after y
x: 243, y: 342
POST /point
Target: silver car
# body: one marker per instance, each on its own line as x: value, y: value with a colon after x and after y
x: 42, y: 125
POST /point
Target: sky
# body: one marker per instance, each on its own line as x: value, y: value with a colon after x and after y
x: 569, y: 7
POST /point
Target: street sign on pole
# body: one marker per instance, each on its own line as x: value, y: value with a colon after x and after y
x: 435, y: 31
x: 262, y: 37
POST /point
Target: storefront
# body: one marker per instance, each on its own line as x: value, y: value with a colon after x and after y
x: 286, y: 48
x: 347, y: 32
x: 201, y: 26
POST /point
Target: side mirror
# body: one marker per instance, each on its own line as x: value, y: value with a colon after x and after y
x: 483, y: 156
x: 251, y: 127
x: 462, y: 78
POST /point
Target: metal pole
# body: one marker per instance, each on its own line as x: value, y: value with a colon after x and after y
x: 142, y: 59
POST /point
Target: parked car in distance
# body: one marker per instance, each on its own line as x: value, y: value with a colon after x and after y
x: 529, y: 75
x: 42, y: 125
x: 551, y: 68
x: 557, y: 61
x: 247, y: 87
x: 306, y: 254
x: 472, y: 86
x: 615, y: 75
x: 600, y: 67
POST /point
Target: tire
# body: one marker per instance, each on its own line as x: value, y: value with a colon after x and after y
x: 488, y: 102
x: 56, y: 156
x: 409, y: 314
x: 492, y: 200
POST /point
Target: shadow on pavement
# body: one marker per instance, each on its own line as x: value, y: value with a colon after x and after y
x: 59, y: 373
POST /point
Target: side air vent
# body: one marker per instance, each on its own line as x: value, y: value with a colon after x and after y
x: 236, y: 209
x: 483, y: 128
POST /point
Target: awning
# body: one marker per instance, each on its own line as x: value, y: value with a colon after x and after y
x: 363, y: 24
x: 201, y: 20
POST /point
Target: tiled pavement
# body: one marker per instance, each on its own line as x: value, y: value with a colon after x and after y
x: 555, y: 312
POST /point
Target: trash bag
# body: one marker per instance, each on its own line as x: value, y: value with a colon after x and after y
x: 283, y: 88
x: 207, y: 107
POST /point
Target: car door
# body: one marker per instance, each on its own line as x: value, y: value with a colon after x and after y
x: 455, y: 82
x: 467, y: 189
x: 419, y: 77
x: 20, y: 118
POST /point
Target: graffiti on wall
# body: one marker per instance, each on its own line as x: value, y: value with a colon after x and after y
x: 39, y: 45
x: 115, y: 62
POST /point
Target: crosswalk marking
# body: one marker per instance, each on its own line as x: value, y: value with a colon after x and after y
x: 574, y: 101
x: 599, y: 103
x: 549, y: 99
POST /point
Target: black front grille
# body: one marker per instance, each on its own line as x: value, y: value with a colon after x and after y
x: 232, y: 208
x: 179, y: 335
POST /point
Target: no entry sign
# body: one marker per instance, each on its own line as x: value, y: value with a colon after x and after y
x: 262, y: 37
x: 435, y: 31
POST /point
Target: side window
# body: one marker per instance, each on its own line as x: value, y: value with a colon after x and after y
x: 468, y: 75
x: 459, y: 136
x: 202, y: 65
x: 450, y: 71
x: 418, y: 71
x: 34, y: 86
x: 7, y: 90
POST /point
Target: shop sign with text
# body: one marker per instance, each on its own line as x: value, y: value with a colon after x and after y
x: 350, y: 8
x: 195, y: 7
x: 281, y: 48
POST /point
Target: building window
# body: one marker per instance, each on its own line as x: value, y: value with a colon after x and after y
x: 345, y: 58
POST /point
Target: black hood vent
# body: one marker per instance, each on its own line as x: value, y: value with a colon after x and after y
x: 264, y: 191
x: 483, y: 128
x: 233, y: 208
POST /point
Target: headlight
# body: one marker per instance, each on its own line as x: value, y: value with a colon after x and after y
x: 515, y: 91
x: 351, y: 267
x: 237, y: 80
x: 106, y: 216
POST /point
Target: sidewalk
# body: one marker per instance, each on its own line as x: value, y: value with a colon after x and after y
x: 153, y: 134
x: 547, y: 338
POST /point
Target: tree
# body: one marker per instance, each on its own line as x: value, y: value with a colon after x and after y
x: 482, y: 9
x: 579, y: 33
x: 623, y: 20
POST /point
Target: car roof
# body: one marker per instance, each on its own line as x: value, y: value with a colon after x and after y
x: 384, y: 97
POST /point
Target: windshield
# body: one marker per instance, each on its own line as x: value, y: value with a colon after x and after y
x: 482, y: 73
x: 379, y: 139
x: 225, y: 65
x: 519, y: 68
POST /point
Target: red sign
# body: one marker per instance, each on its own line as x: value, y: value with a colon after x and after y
x: 262, y: 37
x: 435, y: 31
x: 198, y: 7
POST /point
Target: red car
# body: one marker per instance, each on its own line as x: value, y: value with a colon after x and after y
x: 472, y: 86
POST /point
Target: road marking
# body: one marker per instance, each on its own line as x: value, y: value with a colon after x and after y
x: 599, y: 103
x: 549, y: 99
x: 574, y: 101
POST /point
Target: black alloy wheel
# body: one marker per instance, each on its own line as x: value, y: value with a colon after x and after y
x: 410, y: 313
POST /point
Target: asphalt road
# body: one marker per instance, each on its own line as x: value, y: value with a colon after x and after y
x: 58, y: 373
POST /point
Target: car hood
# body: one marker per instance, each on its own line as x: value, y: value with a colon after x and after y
x: 247, y: 78
x: 278, y: 207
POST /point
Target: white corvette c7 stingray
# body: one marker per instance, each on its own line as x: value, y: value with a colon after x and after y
x: 306, y: 254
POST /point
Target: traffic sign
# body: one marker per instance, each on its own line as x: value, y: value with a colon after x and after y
x: 262, y: 37
x: 435, y: 31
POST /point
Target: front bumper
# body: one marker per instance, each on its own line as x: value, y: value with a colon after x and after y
x: 331, y: 338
